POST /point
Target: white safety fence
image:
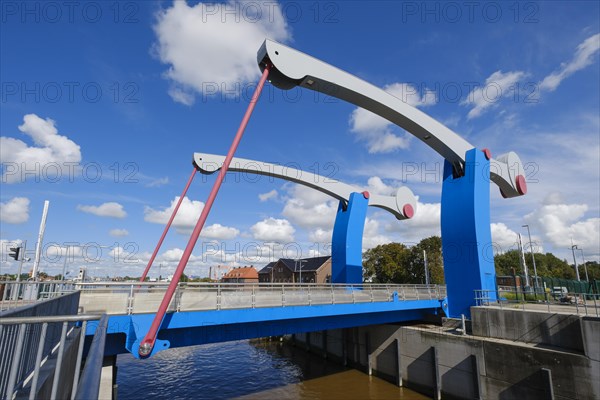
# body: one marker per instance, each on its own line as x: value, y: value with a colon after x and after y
x: 136, y: 298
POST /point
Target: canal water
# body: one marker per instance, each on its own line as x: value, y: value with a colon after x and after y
x: 247, y: 370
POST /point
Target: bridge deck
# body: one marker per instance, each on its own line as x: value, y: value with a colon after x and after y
x: 208, y: 313
x: 136, y: 298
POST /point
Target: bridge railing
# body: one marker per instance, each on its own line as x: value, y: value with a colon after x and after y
x: 16, y: 294
x: 35, y: 363
x: 575, y: 303
x: 136, y: 298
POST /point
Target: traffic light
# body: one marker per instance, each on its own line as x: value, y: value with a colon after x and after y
x: 14, y: 252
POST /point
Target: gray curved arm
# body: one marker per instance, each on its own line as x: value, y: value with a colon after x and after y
x: 402, y: 205
x: 293, y: 68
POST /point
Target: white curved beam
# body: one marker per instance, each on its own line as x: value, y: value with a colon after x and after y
x: 403, y: 205
x: 293, y: 68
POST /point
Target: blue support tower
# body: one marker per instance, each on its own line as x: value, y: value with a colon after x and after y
x: 466, y: 234
x: 346, y: 252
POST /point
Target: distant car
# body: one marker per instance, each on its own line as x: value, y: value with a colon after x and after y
x: 559, y: 293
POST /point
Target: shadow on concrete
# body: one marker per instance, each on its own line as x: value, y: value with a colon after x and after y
x: 535, y: 386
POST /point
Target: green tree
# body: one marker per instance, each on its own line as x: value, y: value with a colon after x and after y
x: 506, y: 262
x: 546, y: 264
x: 397, y: 263
x: 385, y: 263
x: 416, y: 266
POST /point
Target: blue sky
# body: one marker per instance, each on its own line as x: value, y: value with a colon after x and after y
x: 104, y: 104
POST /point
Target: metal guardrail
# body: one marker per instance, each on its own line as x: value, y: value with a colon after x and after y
x: 572, y: 303
x: 89, y: 386
x: 16, y: 294
x: 28, y: 343
x: 135, y: 298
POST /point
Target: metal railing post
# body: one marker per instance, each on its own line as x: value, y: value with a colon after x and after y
x: 59, y: 360
x: 14, y: 368
x: 90, y: 377
x: 130, y: 301
x: 333, y: 295
x: 78, y: 363
x: 38, y: 361
x: 218, y: 296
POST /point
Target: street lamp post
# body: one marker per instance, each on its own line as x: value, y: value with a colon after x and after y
x: 573, y: 247
x: 535, y: 282
x: 584, y: 265
x: 300, y: 274
x: 426, y: 267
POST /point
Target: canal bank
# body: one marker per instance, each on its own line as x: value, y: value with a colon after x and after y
x: 506, y: 354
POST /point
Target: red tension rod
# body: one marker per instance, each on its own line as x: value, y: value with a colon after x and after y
x: 147, y: 343
x: 162, y: 238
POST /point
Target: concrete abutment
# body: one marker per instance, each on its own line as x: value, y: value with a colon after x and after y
x: 538, y: 355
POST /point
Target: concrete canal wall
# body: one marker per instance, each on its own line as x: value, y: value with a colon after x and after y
x: 511, y: 354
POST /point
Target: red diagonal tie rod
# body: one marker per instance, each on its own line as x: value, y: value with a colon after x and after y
x: 162, y: 238
x: 148, y: 342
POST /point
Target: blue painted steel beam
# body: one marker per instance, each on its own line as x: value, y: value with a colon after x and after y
x: 200, y: 327
x: 346, y: 242
x: 466, y: 234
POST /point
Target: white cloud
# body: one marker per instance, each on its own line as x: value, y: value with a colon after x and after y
x: 377, y: 186
x: 559, y: 223
x: 218, y: 231
x: 320, y: 235
x: 581, y: 59
x: 496, y: 86
x: 425, y: 223
x: 110, y: 209
x: 269, y: 195
x: 209, y: 45
x: 309, y: 208
x: 371, y: 235
x: 503, y: 237
x: 50, y: 148
x: 377, y: 131
x: 273, y: 230
x: 158, y: 182
x: 186, y: 218
x: 118, y: 232
x: 15, y: 211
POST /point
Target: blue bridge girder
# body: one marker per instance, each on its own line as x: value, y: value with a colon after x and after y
x: 343, y: 306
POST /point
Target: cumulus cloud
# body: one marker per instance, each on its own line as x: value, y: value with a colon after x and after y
x: 377, y: 131
x: 425, y: 223
x: 49, y: 148
x: 371, y: 235
x: 118, y: 232
x: 308, y: 208
x: 269, y: 195
x: 186, y: 218
x: 582, y: 58
x: 110, y: 209
x: 211, y: 47
x: 497, y: 86
x: 218, y: 231
x: 503, y: 237
x: 559, y: 223
x: 273, y: 230
x: 320, y: 235
x: 15, y: 211
x: 376, y: 185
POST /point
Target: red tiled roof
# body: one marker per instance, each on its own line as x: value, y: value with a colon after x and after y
x: 242, y: 273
